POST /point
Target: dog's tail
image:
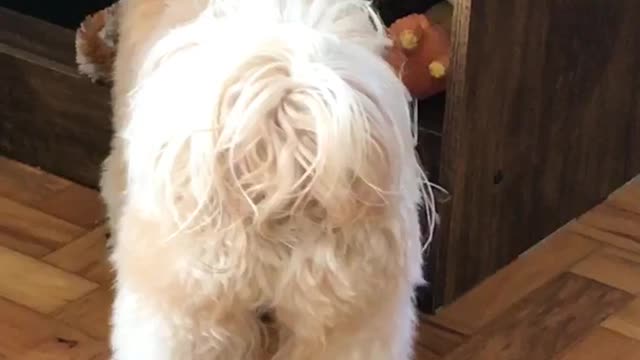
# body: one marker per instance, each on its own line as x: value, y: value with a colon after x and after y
x: 260, y: 111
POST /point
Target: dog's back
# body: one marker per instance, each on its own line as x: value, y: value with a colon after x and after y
x: 269, y: 164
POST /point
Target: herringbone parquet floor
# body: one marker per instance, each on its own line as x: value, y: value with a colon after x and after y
x: 574, y: 297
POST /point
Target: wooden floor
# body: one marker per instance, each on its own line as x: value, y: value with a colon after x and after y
x: 574, y: 297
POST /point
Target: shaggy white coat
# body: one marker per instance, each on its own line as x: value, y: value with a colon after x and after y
x: 263, y: 161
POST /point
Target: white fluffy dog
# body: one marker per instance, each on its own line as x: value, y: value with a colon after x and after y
x: 263, y: 163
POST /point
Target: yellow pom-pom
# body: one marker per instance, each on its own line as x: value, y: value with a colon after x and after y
x: 408, y: 40
x: 437, y: 70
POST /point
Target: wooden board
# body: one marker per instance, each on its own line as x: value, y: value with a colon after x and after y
x: 603, y: 344
x: 51, y: 117
x: 516, y: 281
x: 32, y: 38
x: 24, y: 279
x: 547, y: 322
x: 541, y: 124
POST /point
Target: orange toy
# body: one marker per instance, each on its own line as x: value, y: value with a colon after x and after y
x: 420, y: 54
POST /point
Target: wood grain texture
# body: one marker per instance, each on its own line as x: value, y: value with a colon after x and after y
x: 545, y: 323
x: 52, y: 120
x: 37, y: 40
x: 422, y: 353
x: 616, y: 268
x: 613, y: 224
x: 25, y: 280
x: 603, y: 344
x: 55, y: 196
x: 533, y: 309
x: 627, y: 196
x: 86, y: 208
x: 32, y: 231
x: 68, y: 350
x: 516, y: 281
x: 86, y: 256
x: 81, y: 254
x: 27, y: 185
x: 91, y: 314
x: 627, y: 321
x: 22, y: 329
x: 438, y: 339
x: 618, y: 239
x: 617, y: 221
x: 52, y: 117
x: 536, y: 131
x: 100, y: 273
x: 438, y: 258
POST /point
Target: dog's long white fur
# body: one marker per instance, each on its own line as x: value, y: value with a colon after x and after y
x: 279, y: 122
x: 248, y: 79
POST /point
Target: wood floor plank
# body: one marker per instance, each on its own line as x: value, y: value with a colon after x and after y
x: 436, y: 338
x: 50, y: 194
x: 627, y: 321
x: 546, y: 322
x: 603, y: 344
x: 23, y: 245
x: 37, y: 285
x: 552, y: 257
x: 86, y: 256
x: 22, y: 329
x: 75, y: 204
x: 100, y: 273
x: 616, y: 225
x: 614, y: 267
x: 62, y: 350
x: 574, y: 297
x: 90, y: 314
x: 422, y: 353
x: 627, y: 196
x: 37, y: 231
x: 618, y: 240
x: 79, y: 255
x: 27, y: 185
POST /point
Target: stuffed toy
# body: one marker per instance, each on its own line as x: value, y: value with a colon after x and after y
x: 96, y: 41
x: 420, y: 52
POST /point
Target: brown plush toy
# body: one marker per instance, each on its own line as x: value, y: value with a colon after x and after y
x: 420, y: 54
x: 96, y: 41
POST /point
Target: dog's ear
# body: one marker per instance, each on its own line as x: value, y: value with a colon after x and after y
x: 96, y: 42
